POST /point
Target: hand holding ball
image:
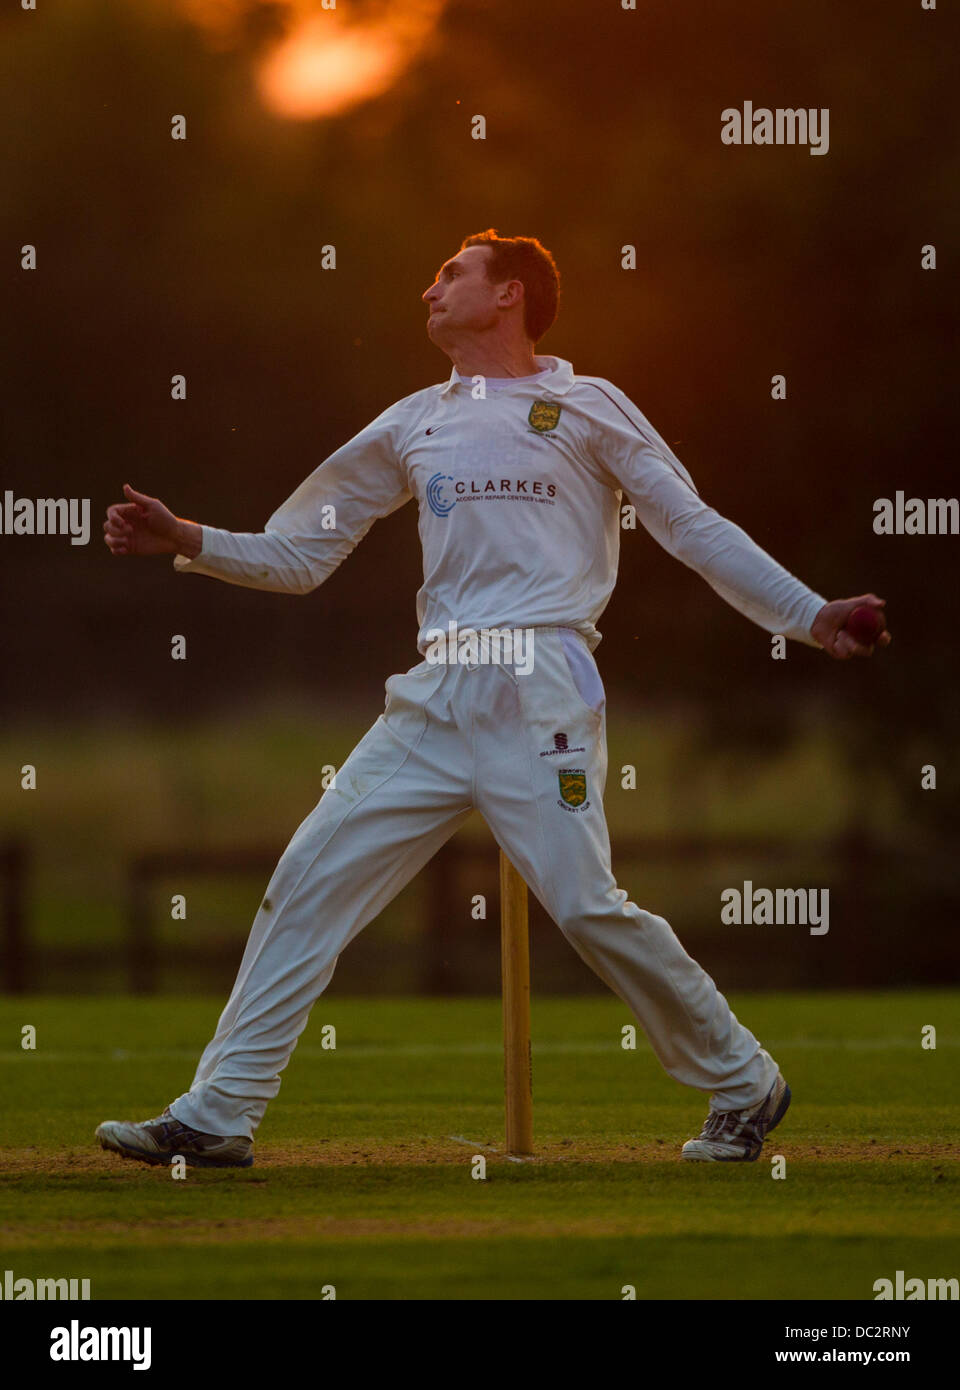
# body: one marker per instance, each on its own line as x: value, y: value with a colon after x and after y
x: 851, y: 627
x: 865, y: 624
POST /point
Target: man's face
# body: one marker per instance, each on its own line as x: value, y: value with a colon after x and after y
x: 461, y: 300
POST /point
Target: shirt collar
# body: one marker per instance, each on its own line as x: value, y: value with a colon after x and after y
x: 556, y: 382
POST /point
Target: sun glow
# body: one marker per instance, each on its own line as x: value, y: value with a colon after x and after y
x: 317, y: 62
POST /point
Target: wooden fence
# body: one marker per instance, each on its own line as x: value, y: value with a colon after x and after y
x: 857, y: 872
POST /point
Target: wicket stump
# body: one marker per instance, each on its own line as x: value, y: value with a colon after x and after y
x: 515, y: 966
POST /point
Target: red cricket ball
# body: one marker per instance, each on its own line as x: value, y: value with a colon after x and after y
x: 865, y: 624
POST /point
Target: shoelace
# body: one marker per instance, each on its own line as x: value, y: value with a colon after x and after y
x: 732, y: 1122
x: 718, y: 1123
x: 174, y: 1130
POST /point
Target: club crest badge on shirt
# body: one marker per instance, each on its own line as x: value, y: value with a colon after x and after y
x: 573, y: 788
x: 544, y: 416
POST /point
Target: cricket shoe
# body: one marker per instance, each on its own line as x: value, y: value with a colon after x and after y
x: 736, y: 1136
x: 165, y: 1138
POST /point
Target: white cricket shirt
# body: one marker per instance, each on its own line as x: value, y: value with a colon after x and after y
x: 519, y: 496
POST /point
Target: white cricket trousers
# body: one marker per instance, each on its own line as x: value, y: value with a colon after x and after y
x: 529, y: 752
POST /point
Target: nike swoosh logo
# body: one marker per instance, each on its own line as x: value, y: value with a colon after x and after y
x: 433, y: 429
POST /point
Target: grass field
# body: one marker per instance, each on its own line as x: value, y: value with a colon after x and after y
x: 363, y: 1173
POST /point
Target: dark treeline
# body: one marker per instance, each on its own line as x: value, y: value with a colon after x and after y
x: 202, y: 257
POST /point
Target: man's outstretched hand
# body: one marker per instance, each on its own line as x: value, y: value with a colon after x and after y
x: 144, y: 526
x: 829, y: 627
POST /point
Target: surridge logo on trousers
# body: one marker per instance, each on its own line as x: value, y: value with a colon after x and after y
x: 561, y: 746
x: 573, y: 788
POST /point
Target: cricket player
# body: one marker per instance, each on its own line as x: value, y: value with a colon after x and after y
x: 519, y: 467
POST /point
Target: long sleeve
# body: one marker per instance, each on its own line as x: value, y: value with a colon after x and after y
x: 671, y: 509
x: 319, y: 524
